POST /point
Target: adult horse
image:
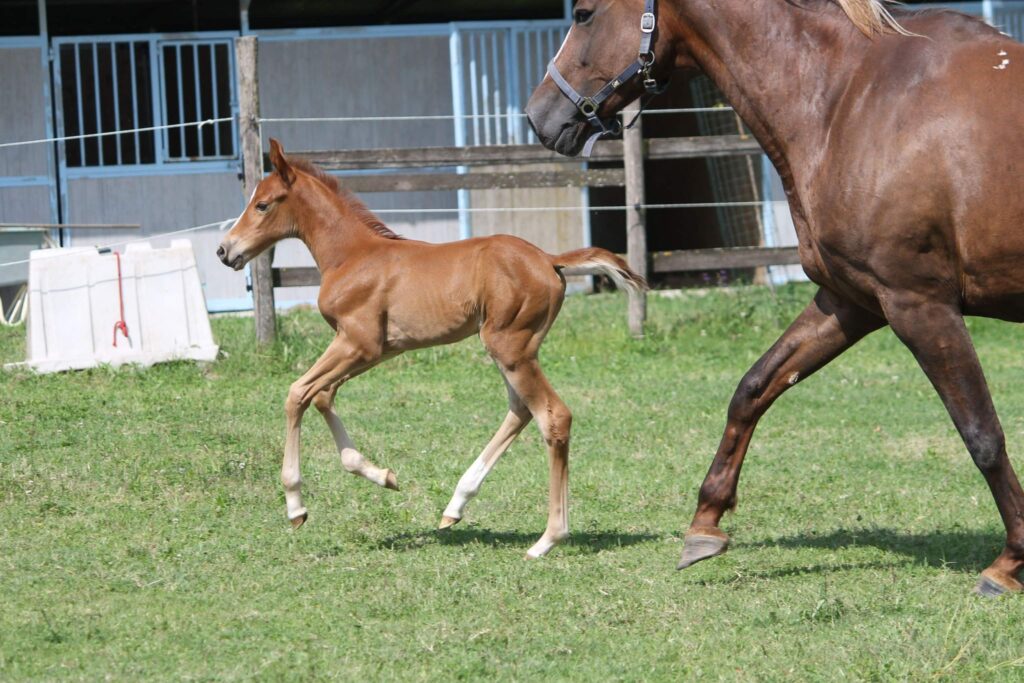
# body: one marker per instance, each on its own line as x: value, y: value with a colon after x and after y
x: 900, y: 141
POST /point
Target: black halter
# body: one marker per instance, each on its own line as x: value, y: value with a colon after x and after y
x: 589, y: 106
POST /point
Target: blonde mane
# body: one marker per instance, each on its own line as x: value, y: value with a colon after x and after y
x: 872, y: 17
x: 367, y: 217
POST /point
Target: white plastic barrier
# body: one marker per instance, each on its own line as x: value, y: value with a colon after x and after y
x: 75, y: 304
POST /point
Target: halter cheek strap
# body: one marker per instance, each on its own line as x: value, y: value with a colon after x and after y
x: 589, y: 106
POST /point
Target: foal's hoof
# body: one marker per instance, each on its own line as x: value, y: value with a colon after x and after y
x: 700, y: 546
x: 299, y: 520
x: 391, y: 481
x: 447, y: 522
x: 990, y: 585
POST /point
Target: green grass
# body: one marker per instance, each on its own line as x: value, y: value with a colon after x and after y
x: 142, y: 528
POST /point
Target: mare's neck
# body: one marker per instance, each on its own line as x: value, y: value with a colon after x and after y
x: 783, y: 65
x: 330, y: 229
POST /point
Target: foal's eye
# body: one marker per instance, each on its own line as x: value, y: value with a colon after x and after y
x: 582, y: 16
x: 262, y: 207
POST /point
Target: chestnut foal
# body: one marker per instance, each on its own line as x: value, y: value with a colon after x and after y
x: 384, y: 295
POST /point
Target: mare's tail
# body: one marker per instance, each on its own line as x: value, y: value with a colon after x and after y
x: 605, y: 262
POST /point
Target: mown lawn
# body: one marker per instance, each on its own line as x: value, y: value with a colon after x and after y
x: 142, y: 528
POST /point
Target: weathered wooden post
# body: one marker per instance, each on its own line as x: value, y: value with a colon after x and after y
x: 252, y: 173
x: 636, y: 215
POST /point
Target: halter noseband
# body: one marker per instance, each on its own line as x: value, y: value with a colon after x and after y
x: 589, y: 106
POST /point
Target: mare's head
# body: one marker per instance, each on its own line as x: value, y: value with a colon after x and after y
x: 267, y: 219
x: 604, y: 39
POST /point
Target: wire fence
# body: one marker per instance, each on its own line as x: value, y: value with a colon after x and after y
x: 222, y: 224
x: 121, y: 243
x: 326, y: 119
x: 128, y: 131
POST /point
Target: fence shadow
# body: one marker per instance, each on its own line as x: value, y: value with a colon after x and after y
x: 588, y: 541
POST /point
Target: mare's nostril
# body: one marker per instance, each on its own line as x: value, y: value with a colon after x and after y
x: 221, y: 253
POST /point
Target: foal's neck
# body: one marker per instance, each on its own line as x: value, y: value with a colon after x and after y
x: 782, y: 64
x: 332, y: 230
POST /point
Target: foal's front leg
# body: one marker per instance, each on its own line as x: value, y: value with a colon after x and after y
x: 351, y: 459
x: 341, y: 360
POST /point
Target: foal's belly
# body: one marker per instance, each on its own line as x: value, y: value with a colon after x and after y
x: 428, y: 322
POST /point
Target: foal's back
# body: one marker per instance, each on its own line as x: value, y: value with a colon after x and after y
x: 433, y: 294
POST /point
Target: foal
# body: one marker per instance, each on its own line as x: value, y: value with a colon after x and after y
x: 384, y: 295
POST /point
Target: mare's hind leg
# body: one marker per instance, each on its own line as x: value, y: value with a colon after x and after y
x: 470, y: 482
x: 827, y: 327
x: 351, y: 459
x: 936, y: 335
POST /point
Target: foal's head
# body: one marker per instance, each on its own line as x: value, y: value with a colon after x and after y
x: 268, y: 218
x: 296, y: 200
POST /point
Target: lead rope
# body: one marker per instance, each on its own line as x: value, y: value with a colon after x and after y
x: 120, y: 324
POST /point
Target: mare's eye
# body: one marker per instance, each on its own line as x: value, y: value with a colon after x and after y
x: 262, y: 207
x: 582, y: 16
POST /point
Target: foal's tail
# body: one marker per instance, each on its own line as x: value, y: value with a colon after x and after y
x: 604, y: 262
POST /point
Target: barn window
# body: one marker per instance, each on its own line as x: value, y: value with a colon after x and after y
x: 113, y: 85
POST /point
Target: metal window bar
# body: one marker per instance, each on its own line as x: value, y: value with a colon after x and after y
x: 96, y: 100
x: 117, y: 108
x: 111, y: 83
x: 499, y: 69
x: 78, y: 106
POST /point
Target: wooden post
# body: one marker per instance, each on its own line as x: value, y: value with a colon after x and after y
x: 252, y: 173
x: 636, y: 215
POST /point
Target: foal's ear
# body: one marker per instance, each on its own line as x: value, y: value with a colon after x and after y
x: 284, y: 169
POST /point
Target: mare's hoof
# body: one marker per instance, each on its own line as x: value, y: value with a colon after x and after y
x: 299, y: 520
x: 391, y: 482
x: 447, y: 522
x: 701, y: 546
x: 991, y: 586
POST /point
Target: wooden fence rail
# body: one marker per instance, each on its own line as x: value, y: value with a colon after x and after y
x: 499, y: 155
x: 442, y: 176
x: 462, y: 168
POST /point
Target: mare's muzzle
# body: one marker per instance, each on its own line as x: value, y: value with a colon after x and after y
x: 588, y: 107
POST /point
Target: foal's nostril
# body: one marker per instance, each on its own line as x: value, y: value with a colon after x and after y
x: 221, y: 253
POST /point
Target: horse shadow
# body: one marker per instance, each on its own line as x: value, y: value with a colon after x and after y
x: 590, y: 541
x: 962, y: 550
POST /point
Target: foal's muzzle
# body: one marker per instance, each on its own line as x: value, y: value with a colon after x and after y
x: 224, y: 254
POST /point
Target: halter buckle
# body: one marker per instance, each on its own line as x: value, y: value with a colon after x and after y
x: 588, y: 107
x: 647, y: 22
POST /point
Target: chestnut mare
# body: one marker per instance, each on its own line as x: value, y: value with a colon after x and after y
x: 900, y: 141
x: 384, y: 295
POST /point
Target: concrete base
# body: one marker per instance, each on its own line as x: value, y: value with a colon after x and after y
x: 75, y: 301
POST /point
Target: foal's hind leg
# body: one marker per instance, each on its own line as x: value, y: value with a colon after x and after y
x: 827, y: 327
x: 470, y: 483
x: 555, y: 422
x: 351, y: 459
x: 936, y: 335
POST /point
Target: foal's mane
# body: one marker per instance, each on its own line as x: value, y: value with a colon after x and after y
x: 872, y: 17
x: 354, y: 204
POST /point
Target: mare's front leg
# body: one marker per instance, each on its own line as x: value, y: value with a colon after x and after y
x: 342, y: 359
x: 935, y: 333
x: 351, y: 459
x: 827, y: 327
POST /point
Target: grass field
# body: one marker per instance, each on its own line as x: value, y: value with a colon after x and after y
x: 143, y: 536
